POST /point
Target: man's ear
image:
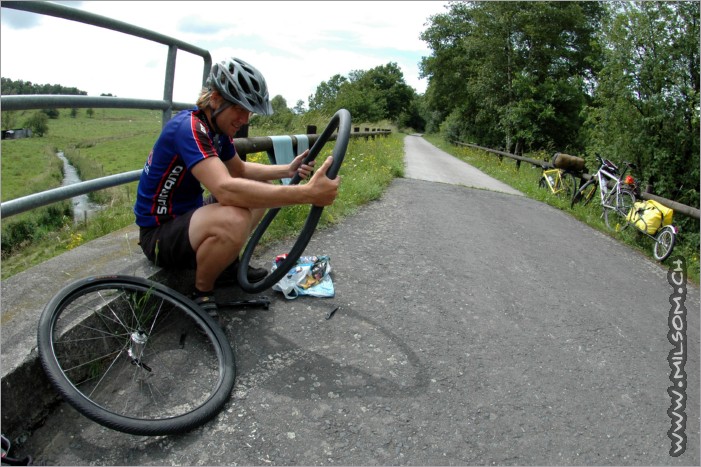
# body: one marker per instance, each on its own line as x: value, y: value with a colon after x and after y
x: 215, y: 99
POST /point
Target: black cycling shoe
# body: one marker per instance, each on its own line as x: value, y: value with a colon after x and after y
x: 208, y: 304
x: 229, y: 275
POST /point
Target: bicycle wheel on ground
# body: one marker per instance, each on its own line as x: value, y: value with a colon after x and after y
x: 616, y: 216
x: 664, y: 243
x: 543, y: 184
x: 135, y: 356
x: 585, y: 193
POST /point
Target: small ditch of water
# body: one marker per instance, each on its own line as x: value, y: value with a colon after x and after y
x: 83, y: 208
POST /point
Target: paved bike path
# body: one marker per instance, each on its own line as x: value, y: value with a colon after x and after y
x: 424, y: 161
x: 475, y: 327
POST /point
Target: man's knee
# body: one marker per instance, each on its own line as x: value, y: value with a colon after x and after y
x: 235, y: 220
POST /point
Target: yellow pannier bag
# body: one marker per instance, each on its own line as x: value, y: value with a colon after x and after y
x: 648, y: 216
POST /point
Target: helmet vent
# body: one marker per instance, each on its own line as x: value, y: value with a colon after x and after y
x: 243, y: 83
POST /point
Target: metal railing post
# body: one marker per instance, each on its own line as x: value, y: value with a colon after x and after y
x: 168, y: 84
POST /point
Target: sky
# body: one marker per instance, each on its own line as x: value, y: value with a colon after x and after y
x: 295, y: 44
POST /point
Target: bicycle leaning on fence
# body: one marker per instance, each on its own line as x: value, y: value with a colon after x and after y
x: 617, y: 200
x: 561, y: 180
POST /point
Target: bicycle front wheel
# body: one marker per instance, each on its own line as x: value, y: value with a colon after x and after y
x: 664, y: 243
x: 135, y: 356
x: 585, y: 193
x: 616, y: 217
x: 569, y: 184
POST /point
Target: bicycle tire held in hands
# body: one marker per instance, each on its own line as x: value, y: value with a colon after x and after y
x: 341, y: 121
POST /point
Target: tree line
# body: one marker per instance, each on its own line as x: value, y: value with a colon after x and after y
x: 619, y: 79
x: 12, y: 87
x: 36, y: 121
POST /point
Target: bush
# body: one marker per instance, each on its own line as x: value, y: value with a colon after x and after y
x: 38, y: 123
x: 453, y: 127
x: 16, y: 233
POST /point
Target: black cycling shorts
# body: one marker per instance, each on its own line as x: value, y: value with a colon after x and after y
x: 168, y: 245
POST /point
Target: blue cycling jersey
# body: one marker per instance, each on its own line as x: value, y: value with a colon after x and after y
x: 167, y: 188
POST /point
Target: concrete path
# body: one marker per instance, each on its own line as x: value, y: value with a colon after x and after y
x: 426, y: 162
x: 475, y: 327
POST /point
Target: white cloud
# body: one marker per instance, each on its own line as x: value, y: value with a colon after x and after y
x: 296, y: 45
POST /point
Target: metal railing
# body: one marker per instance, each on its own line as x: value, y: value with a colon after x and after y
x: 27, y: 102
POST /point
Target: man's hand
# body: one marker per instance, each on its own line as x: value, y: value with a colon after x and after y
x: 322, y: 189
x: 297, y: 167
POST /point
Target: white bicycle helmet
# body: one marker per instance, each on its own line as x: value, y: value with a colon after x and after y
x: 242, y: 84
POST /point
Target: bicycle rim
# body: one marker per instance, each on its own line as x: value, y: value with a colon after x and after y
x: 589, y: 193
x: 615, y: 216
x: 612, y: 219
x: 585, y: 193
x: 664, y: 242
x: 624, y: 203
x: 135, y: 356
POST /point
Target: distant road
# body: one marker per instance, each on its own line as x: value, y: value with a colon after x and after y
x: 426, y: 162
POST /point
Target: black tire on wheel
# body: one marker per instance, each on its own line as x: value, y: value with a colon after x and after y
x: 342, y: 121
x: 542, y: 184
x: 664, y: 243
x: 626, y: 200
x: 135, y: 356
x: 585, y: 193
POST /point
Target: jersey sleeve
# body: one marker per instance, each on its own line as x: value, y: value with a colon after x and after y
x: 193, y: 143
x: 228, y: 151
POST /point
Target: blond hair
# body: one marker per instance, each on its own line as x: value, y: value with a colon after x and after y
x: 205, y: 98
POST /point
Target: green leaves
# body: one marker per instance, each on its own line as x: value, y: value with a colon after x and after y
x: 369, y: 95
x: 516, y: 71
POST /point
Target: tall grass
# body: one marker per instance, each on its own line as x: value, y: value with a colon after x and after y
x: 118, y: 140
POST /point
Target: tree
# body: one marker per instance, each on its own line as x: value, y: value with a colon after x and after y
x: 369, y: 95
x: 299, y: 107
x: 282, y: 116
x: 512, y: 74
x: 38, y: 122
x: 646, y: 107
x: 52, y: 113
x: 27, y: 87
x: 324, y: 98
x: 386, y: 83
x: 9, y: 120
x: 363, y: 103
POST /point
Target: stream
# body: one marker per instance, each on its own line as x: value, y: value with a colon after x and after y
x: 83, y: 208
